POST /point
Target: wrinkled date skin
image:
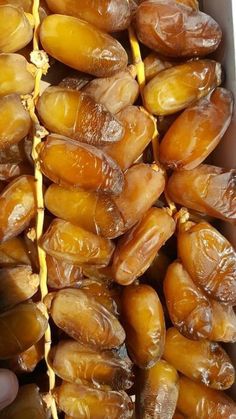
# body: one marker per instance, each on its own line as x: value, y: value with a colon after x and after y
x: 76, y: 115
x: 137, y: 249
x: 16, y: 285
x: 189, y: 309
x: 90, y: 210
x: 107, y: 15
x: 202, y: 361
x: 209, y: 259
x: 17, y: 207
x: 223, y: 322
x: 75, y: 363
x: 174, y: 89
x: 139, y: 130
x: 74, y: 245
x: 143, y: 185
x: 62, y: 274
x: 198, y: 401
x: 84, y: 319
x: 20, y: 328
x: 82, y: 46
x: 15, y: 29
x: 174, y: 30
x: 157, y: 270
x: 15, y: 122
x: 15, y: 76
x: 79, y: 166
x: 197, y: 131
x: 144, y: 323
x: 157, y: 392
x: 28, y: 405
x: 116, y: 92
x: 86, y: 402
x: 207, y: 189
x: 13, y: 252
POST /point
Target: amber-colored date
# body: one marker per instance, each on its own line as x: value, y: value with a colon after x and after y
x: 139, y: 130
x: 13, y: 252
x: 17, y: 207
x: 21, y: 327
x: 157, y: 392
x: 207, y: 189
x: 15, y: 75
x: 75, y: 363
x: 78, y: 400
x: 198, y: 401
x: 17, y: 285
x: 28, y: 360
x: 76, y: 115
x: 116, y: 92
x: 90, y: 210
x: 143, y: 185
x: 189, y: 309
x: 28, y: 405
x: 76, y: 165
x: 191, y: 3
x: 223, y: 323
x: 137, y: 249
x: 81, y: 45
x: 15, y: 29
x: 193, y: 33
x: 154, y: 64
x: 144, y: 324
x: 202, y: 361
x: 107, y: 15
x: 209, y: 259
x: 94, y: 326
x: 15, y: 121
x: 197, y: 131
x: 62, y: 274
x: 74, y: 245
x: 178, y: 87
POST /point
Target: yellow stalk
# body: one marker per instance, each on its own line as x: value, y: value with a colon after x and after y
x: 138, y: 62
x: 40, y: 60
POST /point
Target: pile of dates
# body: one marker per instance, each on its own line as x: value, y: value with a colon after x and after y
x: 142, y: 284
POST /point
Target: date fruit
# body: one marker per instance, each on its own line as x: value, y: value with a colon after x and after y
x: 207, y: 189
x: 15, y: 29
x: 74, y: 245
x: 20, y: 328
x: 174, y: 30
x: 189, y: 309
x: 76, y: 363
x: 82, y: 46
x: 174, y: 89
x: 144, y: 323
x: 137, y: 249
x: 209, y: 259
x: 203, y: 361
x: 17, y: 207
x: 107, y: 15
x: 78, y: 400
x: 90, y: 210
x: 84, y: 319
x: 79, y: 166
x: 197, y: 131
x: 76, y: 115
x: 198, y: 401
